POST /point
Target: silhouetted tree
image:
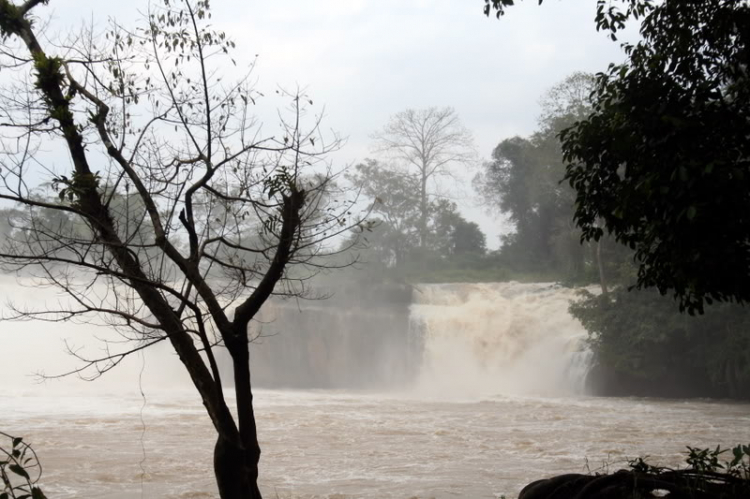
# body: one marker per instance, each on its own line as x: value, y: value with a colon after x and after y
x: 663, y: 160
x: 169, y: 181
x: 523, y: 180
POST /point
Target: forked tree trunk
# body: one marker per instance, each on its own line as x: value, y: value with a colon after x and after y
x: 236, y: 471
x: 236, y: 460
x: 237, y: 453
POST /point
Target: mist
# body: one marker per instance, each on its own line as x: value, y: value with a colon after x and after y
x: 438, y: 341
x: 361, y: 391
x: 367, y: 250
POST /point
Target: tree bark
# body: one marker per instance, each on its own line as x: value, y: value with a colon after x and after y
x: 238, y: 461
x: 423, y: 212
x: 237, y: 451
x: 235, y: 470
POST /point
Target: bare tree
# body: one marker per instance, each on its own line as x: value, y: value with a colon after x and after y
x: 569, y: 99
x: 175, y: 219
x: 426, y: 144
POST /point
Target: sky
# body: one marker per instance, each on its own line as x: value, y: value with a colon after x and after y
x: 362, y: 61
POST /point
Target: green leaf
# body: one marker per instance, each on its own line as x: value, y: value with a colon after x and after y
x: 17, y: 441
x: 18, y: 471
x: 36, y: 493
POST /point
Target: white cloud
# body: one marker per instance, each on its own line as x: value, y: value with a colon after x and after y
x: 367, y: 60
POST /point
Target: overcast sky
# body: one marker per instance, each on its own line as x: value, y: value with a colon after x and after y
x: 365, y: 60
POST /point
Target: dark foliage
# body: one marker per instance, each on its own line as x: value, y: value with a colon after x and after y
x: 664, y: 157
x: 20, y: 470
x: 706, y: 477
x: 644, y: 346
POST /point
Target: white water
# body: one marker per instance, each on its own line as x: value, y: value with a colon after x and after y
x: 495, y: 406
x: 499, y: 338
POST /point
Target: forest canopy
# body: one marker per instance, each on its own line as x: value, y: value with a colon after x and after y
x: 661, y: 163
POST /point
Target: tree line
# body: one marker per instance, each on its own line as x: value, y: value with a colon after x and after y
x: 170, y: 184
x: 412, y: 186
x: 656, y: 169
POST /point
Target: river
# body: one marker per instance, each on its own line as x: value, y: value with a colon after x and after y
x: 337, y: 445
x: 494, y: 402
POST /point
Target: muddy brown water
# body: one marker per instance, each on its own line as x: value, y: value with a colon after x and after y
x: 358, y: 445
x: 495, y: 403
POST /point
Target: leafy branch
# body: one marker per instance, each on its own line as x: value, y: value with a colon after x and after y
x: 20, y: 470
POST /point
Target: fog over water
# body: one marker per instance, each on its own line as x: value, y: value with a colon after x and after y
x: 481, y: 394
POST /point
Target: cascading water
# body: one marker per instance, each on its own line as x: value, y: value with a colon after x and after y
x: 455, y: 341
x: 497, y: 338
x: 445, y: 340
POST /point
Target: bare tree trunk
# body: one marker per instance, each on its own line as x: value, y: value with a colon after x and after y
x: 182, y: 314
x: 246, y: 462
x: 236, y: 460
x: 423, y: 213
x: 233, y: 475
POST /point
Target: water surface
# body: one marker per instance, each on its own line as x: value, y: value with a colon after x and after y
x: 340, y: 445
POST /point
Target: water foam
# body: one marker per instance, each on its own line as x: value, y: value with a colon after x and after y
x: 485, y: 339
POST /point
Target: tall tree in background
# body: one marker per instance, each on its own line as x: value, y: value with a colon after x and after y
x: 146, y: 120
x: 393, y: 238
x: 664, y: 159
x: 395, y: 207
x: 454, y: 235
x: 426, y: 145
x: 523, y: 180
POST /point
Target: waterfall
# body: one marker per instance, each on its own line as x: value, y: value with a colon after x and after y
x: 357, y: 338
x: 443, y: 340
x: 497, y: 338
